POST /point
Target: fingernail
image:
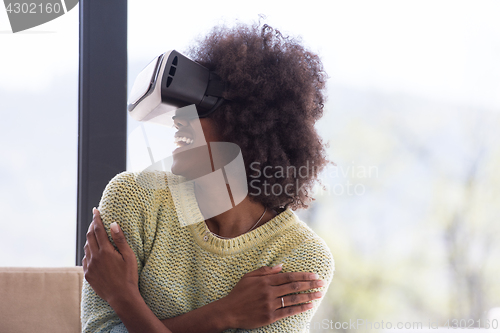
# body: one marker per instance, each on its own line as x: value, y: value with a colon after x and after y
x: 114, y: 227
x: 94, y: 210
x: 278, y: 265
x: 321, y: 283
x: 314, y: 276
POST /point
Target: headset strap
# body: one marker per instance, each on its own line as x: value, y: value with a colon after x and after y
x: 216, y: 86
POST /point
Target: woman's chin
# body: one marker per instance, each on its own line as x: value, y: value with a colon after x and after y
x: 177, y: 168
x: 191, y: 163
x: 180, y: 167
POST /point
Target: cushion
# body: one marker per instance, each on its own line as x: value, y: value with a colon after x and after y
x: 40, y: 299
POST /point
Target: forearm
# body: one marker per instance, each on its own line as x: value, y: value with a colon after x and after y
x: 137, y: 316
x: 211, y: 318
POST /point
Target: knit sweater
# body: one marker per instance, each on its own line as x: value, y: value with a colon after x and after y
x: 180, y: 269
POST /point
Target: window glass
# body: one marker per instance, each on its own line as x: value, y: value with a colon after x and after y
x: 38, y: 140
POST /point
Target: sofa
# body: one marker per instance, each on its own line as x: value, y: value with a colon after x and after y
x: 40, y: 300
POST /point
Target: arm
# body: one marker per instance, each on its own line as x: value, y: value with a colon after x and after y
x: 126, y: 303
x: 254, y: 301
x: 96, y: 314
x: 114, y: 306
x: 311, y: 256
x: 206, y: 319
x: 113, y: 276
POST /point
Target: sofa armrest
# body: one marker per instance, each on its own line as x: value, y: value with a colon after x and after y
x: 39, y: 300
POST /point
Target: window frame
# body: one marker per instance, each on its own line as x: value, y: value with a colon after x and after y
x: 102, y: 105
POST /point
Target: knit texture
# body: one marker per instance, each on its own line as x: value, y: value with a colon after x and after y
x: 179, y: 270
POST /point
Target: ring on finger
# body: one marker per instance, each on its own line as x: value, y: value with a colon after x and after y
x: 282, y: 302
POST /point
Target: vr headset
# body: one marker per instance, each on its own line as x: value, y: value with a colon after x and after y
x: 168, y: 84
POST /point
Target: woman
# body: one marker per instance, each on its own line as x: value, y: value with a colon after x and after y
x: 254, y: 267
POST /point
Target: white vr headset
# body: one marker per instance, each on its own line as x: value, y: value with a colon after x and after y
x: 170, y: 82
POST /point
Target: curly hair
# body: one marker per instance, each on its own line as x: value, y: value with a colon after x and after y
x: 276, y: 95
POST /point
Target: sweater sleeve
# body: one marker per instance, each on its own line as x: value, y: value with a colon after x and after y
x: 311, y: 256
x: 121, y: 202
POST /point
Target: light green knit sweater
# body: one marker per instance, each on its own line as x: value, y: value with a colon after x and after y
x: 179, y: 271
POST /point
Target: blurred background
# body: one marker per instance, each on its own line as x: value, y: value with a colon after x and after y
x: 411, y: 210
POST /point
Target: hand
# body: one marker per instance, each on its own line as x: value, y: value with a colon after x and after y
x: 111, y: 273
x: 255, y: 301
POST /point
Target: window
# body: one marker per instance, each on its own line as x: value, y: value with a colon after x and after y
x: 38, y: 135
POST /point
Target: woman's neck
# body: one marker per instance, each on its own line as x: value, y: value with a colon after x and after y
x: 224, y: 219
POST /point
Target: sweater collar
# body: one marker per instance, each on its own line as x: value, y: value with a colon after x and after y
x: 273, y: 227
x: 189, y: 215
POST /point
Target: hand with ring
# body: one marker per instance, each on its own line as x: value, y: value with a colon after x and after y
x: 262, y: 297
